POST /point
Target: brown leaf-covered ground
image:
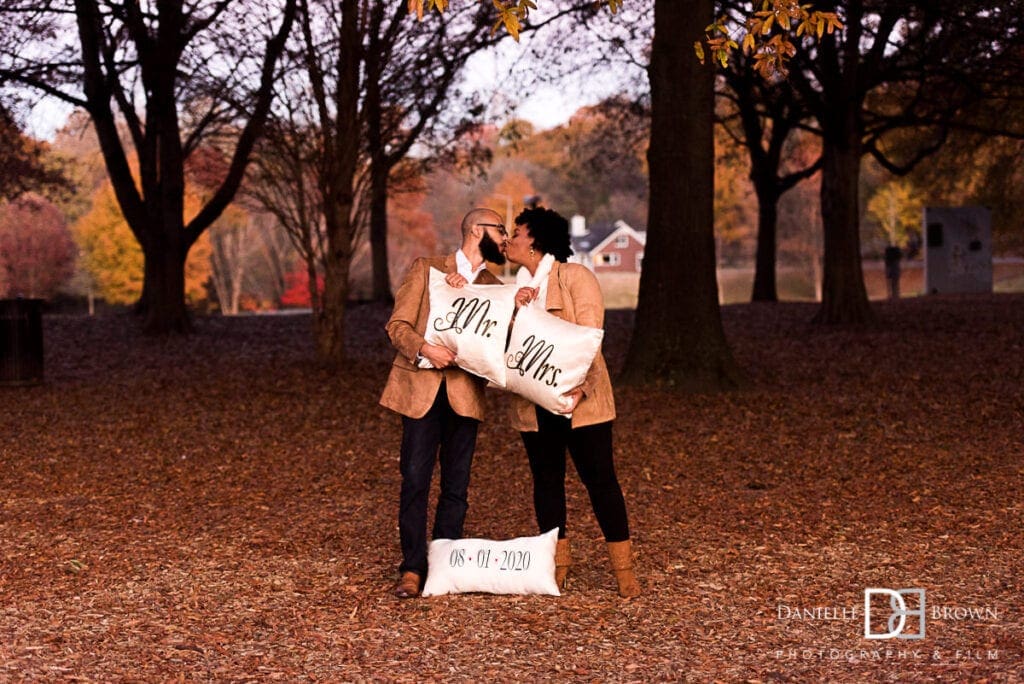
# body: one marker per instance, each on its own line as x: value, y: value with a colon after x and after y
x: 221, y: 508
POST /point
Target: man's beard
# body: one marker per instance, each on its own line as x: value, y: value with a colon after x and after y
x: 490, y: 250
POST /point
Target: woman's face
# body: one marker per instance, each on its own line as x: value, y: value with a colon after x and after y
x: 518, y: 245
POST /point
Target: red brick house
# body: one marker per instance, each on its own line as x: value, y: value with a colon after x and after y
x: 607, y: 247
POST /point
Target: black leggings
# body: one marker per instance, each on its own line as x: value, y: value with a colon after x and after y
x: 591, y: 451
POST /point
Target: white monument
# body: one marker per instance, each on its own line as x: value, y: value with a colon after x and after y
x: 957, y: 250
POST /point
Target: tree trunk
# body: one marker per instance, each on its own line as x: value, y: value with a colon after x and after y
x: 765, y: 288
x: 844, y: 298
x: 379, y: 232
x: 162, y: 304
x: 373, y: 110
x: 338, y: 188
x: 678, y: 340
x: 330, y: 323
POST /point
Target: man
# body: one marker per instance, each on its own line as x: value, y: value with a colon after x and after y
x: 441, y: 407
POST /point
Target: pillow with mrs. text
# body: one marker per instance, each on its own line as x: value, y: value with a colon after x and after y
x: 548, y: 357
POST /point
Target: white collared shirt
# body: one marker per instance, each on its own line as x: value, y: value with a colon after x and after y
x: 465, y: 268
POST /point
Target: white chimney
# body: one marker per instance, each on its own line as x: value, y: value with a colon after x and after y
x: 577, y: 226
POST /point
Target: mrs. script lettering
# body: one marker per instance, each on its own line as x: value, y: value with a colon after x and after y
x: 534, y: 356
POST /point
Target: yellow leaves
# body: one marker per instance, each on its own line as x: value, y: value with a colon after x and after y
x: 767, y: 32
x: 417, y: 7
x: 818, y: 23
x: 896, y: 206
x: 113, y: 258
x: 511, y: 14
x: 768, y: 35
x: 770, y: 60
x: 718, y: 41
x: 109, y: 251
x: 833, y: 20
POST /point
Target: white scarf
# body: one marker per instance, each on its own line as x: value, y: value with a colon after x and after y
x: 539, y: 279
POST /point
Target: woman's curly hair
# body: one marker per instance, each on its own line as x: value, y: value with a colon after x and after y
x: 549, y: 230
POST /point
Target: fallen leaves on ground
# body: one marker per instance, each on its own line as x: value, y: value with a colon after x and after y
x: 222, y: 508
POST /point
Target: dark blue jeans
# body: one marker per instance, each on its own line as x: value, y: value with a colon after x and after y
x: 440, y: 432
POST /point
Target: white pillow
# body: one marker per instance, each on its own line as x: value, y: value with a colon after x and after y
x: 548, y: 357
x: 524, y: 565
x: 473, y: 322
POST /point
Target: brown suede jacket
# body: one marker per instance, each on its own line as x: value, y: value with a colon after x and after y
x: 574, y: 295
x: 411, y: 390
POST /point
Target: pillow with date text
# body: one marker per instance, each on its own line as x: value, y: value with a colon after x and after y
x: 548, y: 357
x: 472, y: 321
x: 524, y: 565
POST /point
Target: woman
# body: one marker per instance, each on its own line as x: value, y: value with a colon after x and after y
x: 572, y: 293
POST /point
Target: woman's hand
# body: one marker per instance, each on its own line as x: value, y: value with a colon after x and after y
x: 455, y: 280
x: 525, y: 295
x: 574, y: 397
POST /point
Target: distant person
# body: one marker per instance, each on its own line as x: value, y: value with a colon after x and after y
x: 441, y: 407
x: 893, y: 255
x: 572, y: 293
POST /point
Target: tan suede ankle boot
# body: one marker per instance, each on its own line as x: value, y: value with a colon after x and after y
x: 621, y: 555
x: 562, y: 562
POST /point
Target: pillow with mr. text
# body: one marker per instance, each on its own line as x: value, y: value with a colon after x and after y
x: 472, y: 321
x: 548, y: 357
x: 524, y: 565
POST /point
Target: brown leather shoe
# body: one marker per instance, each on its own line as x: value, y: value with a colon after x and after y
x: 408, y: 586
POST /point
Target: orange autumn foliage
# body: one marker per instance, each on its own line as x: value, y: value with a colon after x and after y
x: 113, y: 258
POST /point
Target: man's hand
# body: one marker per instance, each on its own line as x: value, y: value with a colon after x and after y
x: 455, y: 280
x: 438, y: 356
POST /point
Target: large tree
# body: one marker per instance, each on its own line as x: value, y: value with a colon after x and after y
x: 678, y: 340
x: 761, y: 114
x: 172, y: 74
x: 308, y: 168
x: 410, y: 96
x: 895, y: 65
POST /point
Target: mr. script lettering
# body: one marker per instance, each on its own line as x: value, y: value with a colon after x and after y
x: 465, y: 313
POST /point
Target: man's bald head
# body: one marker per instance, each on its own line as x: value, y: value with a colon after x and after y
x: 477, y: 216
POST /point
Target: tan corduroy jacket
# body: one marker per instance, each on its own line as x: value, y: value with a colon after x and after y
x: 411, y: 390
x: 574, y: 295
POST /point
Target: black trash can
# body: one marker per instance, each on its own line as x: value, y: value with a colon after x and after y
x: 21, y: 341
